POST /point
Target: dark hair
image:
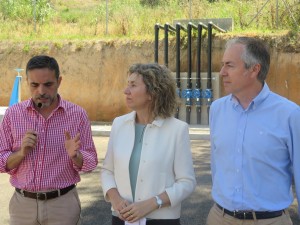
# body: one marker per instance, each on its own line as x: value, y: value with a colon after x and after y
x: 160, y: 85
x: 256, y: 52
x: 43, y: 61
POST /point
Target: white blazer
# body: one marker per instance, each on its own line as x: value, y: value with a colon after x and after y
x: 165, y: 165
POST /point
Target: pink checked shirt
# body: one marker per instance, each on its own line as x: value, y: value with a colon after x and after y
x: 48, y: 166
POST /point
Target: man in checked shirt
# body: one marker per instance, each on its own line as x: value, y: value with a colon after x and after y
x: 44, y: 143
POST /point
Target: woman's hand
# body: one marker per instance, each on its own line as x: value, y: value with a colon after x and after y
x: 138, y: 210
x: 118, y: 203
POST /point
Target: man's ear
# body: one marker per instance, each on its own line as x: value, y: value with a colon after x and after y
x: 59, y: 80
x: 256, y: 69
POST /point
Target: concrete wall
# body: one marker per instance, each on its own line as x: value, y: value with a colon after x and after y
x: 95, y: 72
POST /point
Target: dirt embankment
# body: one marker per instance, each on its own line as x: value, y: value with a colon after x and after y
x: 95, y: 72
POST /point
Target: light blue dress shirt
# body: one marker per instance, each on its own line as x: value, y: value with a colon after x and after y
x: 255, y: 153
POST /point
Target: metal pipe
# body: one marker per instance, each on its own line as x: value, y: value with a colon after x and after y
x: 198, y: 70
x: 166, y: 55
x: 188, y: 91
x: 178, y: 28
x: 209, y: 92
x: 197, y: 92
x: 156, y: 39
x: 209, y: 49
x: 214, y: 26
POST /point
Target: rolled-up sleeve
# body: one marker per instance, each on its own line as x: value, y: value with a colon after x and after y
x: 88, y: 149
x: 6, y: 145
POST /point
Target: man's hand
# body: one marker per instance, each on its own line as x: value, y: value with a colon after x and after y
x: 28, y: 142
x: 72, y: 145
x: 27, y: 145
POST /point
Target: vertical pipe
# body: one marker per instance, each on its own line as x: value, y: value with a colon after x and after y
x: 178, y: 28
x: 156, y: 40
x: 189, y: 56
x: 209, y: 91
x: 188, y: 92
x: 209, y: 28
x: 166, y: 44
x: 198, y: 91
x: 198, y: 83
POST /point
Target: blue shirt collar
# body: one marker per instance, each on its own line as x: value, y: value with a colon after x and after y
x: 263, y: 94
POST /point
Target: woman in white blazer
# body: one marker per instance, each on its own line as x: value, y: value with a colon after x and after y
x: 148, y: 167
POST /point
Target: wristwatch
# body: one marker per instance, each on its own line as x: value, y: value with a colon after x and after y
x: 159, y: 202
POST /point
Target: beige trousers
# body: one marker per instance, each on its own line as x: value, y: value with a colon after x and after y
x: 217, y: 217
x: 63, y: 210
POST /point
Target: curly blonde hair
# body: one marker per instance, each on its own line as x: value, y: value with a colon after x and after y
x: 160, y: 85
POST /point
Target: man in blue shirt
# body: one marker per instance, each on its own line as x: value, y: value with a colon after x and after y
x: 255, y: 142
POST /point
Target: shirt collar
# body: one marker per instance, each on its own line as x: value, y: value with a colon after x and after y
x: 262, y: 95
x: 61, y: 104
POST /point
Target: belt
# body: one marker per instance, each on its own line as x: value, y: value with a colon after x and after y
x: 45, y: 195
x: 248, y: 215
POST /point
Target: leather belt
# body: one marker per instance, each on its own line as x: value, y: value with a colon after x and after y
x: 248, y: 215
x: 45, y: 195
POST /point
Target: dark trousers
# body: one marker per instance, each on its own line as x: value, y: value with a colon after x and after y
x: 117, y: 221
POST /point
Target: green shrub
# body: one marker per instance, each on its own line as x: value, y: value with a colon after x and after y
x: 25, y: 10
x: 74, y: 19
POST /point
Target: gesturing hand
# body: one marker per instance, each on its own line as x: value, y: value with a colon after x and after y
x: 72, y: 145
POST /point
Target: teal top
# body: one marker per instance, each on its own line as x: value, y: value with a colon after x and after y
x: 135, y: 156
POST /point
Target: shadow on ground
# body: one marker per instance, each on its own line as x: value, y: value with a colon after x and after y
x: 95, y: 211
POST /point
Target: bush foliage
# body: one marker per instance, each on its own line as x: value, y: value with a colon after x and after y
x: 68, y: 19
